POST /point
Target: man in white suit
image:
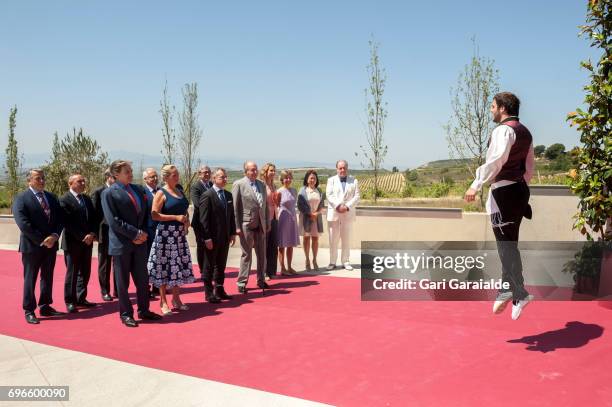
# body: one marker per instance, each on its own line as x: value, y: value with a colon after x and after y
x: 342, y: 197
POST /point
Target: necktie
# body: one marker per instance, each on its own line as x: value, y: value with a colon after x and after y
x: 82, y: 203
x: 222, y: 198
x: 132, y: 198
x: 343, y: 183
x: 44, y: 204
x: 257, y: 193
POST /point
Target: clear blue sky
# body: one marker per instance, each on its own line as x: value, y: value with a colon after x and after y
x: 280, y: 79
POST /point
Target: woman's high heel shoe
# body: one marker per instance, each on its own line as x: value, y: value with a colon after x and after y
x: 165, y: 310
x: 182, y: 307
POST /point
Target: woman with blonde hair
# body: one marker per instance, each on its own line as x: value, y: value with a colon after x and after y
x: 267, y: 175
x: 287, y: 223
x: 170, y: 260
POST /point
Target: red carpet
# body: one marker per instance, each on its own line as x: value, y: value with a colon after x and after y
x: 312, y: 337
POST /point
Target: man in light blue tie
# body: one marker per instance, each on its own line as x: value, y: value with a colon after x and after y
x: 252, y: 224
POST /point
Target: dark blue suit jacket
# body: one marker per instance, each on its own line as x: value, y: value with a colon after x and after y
x: 122, y: 219
x: 33, y: 223
x: 151, y: 224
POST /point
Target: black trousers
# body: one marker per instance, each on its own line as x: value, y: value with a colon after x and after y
x: 104, y: 267
x: 133, y: 263
x: 41, y: 260
x: 272, y: 249
x: 513, y: 203
x: 78, y: 271
x: 201, y: 254
x: 214, y: 267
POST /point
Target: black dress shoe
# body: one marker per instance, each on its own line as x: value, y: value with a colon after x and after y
x: 71, y: 308
x: 151, y: 295
x: 221, y: 294
x: 263, y: 285
x: 107, y: 297
x: 213, y: 299
x: 49, y: 311
x: 31, y: 319
x: 149, y: 315
x: 129, y: 322
x: 86, y: 303
x: 242, y: 289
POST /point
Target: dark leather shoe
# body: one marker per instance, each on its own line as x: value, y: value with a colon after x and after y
x: 213, y: 299
x: 49, y: 311
x: 221, y: 294
x: 86, y: 303
x: 151, y: 295
x: 31, y: 319
x: 107, y: 297
x: 71, y: 308
x: 242, y: 289
x: 151, y: 316
x: 129, y: 322
x: 263, y: 285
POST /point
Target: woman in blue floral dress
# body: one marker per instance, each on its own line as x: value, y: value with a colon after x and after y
x: 169, y: 262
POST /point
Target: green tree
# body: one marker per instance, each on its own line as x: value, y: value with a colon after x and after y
x: 470, y: 125
x: 13, y: 160
x: 190, y: 136
x: 75, y: 153
x: 538, y: 151
x: 593, y: 180
x: 376, y: 149
x: 554, y: 151
x: 168, y: 133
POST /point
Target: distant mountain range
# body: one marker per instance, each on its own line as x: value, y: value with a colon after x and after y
x: 147, y: 160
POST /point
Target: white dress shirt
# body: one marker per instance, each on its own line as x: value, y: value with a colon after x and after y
x: 502, y: 140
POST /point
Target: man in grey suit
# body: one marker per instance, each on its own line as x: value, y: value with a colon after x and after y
x: 252, y: 224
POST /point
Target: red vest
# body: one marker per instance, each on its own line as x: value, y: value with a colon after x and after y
x: 514, y: 169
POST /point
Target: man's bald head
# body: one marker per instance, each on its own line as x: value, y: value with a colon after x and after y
x: 76, y: 182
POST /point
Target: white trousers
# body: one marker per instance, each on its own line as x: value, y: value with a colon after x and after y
x: 340, y: 230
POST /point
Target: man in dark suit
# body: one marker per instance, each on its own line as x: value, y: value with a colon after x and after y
x: 218, y: 228
x: 149, y: 176
x: 124, y: 206
x: 202, y: 185
x: 39, y: 217
x: 77, y: 242
x: 104, y: 259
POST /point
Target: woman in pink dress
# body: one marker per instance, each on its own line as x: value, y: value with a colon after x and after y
x: 288, y: 237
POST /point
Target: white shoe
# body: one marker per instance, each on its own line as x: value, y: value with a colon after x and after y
x: 348, y: 267
x: 501, y: 301
x: 518, y: 308
x: 330, y: 267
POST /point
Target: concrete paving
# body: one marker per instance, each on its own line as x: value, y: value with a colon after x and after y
x: 98, y: 381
